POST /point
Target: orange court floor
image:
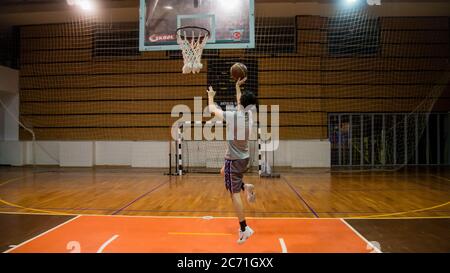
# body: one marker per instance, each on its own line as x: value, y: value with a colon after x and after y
x: 98, y: 234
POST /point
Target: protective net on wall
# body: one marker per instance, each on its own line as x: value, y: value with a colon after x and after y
x: 365, y: 83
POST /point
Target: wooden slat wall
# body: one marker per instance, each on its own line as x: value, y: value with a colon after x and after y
x: 67, y: 94
x: 149, y: 120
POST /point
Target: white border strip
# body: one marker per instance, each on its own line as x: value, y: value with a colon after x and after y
x: 283, y: 245
x: 42, y: 234
x: 105, y: 244
x: 362, y: 237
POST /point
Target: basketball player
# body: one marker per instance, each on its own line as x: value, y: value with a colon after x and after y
x: 237, y: 155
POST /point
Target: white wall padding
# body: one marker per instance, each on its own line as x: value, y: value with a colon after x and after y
x: 311, y: 154
x: 150, y: 154
x: 12, y: 153
x: 76, y: 153
x: 113, y: 153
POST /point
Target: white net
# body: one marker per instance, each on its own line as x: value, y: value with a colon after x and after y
x: 192, y: 48
x: 393, y: 76
x: 202, y: 156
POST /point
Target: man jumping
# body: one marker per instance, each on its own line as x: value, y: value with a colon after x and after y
x: 237, y: 157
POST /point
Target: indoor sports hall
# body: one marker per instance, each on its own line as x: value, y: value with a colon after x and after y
x: 115, y: 126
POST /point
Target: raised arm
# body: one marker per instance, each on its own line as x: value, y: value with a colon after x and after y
x: 238, y: 89
x: 212, y: 106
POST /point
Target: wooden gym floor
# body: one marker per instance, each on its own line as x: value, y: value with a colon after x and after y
x: 138, y: 210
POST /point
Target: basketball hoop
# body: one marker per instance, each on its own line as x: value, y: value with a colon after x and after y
x: 192, y: 40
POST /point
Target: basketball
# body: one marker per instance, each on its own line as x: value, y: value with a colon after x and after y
x: 238, y: 71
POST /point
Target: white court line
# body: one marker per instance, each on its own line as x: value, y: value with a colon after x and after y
x: 105, y: 244
x: 42, y: 234
x: 283, y: 245
x: 362, y: 237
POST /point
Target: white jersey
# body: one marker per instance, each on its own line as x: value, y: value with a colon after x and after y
x: 237, y: 134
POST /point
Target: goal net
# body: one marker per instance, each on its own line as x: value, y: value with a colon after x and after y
x: 202, y: 156
x: 207, y: 154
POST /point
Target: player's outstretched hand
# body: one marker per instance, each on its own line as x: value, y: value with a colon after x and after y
x: 211, y: 92
x: 241, y: 82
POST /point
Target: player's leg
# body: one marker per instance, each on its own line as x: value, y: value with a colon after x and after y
x: 244, y: 231
x: 250, y: 191
x: 239, y: 209
x: 233, y: 181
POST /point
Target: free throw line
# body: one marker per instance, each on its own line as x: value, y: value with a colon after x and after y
x: 199, y: 233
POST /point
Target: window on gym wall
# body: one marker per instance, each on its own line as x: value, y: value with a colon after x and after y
x: 9, y: 43
x: 353, y: 35
x: 389, y: 139
x: 275, y: 35
x: 116, y: 39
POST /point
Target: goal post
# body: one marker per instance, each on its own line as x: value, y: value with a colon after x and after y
x: 207, y: 156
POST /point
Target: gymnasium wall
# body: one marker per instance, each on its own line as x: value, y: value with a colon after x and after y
x: 9, y: 105
x: 66, y: 93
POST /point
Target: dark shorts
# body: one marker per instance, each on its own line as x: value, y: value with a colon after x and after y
x: 234, y: 172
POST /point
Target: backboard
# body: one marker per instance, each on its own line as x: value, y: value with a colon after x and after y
x: 230, y: 22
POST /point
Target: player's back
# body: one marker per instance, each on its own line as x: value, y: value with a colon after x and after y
x: 237, y: 134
